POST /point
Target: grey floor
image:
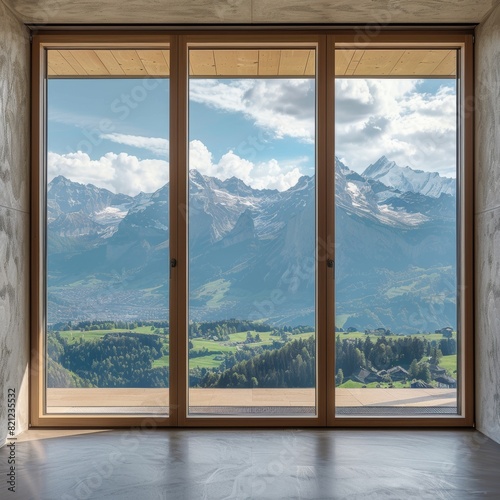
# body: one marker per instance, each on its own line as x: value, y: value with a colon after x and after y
x: 254, y: 464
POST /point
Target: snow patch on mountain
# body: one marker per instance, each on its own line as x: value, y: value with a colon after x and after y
x: 407, y: 179
x: 110, y: 215
x: 355, y: 194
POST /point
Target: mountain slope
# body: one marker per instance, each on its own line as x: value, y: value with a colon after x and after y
x: 252, y: 253
x: 406, y: 179
x: 65, y: 196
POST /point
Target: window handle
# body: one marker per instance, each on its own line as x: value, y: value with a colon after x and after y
x: 331, y: 265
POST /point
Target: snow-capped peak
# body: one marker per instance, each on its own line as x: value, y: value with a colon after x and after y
x: 406, y: 179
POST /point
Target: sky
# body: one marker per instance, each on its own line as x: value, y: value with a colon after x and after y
x: 114, y: 133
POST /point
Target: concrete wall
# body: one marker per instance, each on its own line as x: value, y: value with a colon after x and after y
x: 14, y: 217
x: 487, y: 219
x: 255, y: 11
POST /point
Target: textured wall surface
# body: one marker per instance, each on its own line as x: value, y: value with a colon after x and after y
x: 255, y: 11
x: 488, y: 226
x: 14, y: 216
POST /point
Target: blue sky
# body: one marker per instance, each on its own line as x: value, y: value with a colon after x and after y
x: 114, y: 133
x: 79, y: 108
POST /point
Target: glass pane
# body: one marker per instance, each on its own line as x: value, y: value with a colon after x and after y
x: 396, y: 233
x: 107, y: 263
x: 252, y: 231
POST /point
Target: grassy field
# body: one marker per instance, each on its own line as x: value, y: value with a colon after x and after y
x: 235, y: 342
x: 362, y: 335
x: 213, y: 291
x: 159, y: 363
x: 75, y: 335
x: 449, y: 363
x: 217, y: 349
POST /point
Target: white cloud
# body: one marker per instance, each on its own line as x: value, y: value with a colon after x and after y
x: 124, y: 173
x: 120, y: 173
x: 263, y: 175
x: 284, y: 107
x: 200, y: 158
x: 376, y: 117
x: 231, y: 165
x: 156, y: 145
x: 272, y: 175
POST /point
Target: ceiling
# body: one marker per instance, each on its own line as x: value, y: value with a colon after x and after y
x: 105, y: 63
x: 382, y: 12
x: 77, y: 63
x: 396, y: 63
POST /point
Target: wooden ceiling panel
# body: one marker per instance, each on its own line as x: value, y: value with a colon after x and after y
x: 109, y: 60
x: 252, y: 63
x: 100, y: 63
x: 90, y: 62
x: 73, y: 62
x: 202, y: 63
x: 154, y: 62
x: 311, y: 64
x: 397, y: 63
x: 416, y: 63
x: 130, y: 62
x: 58, y: 65
x: 269, y: 62
x: 236, y: 62
x: 378, y: 62
x: 342, y: 61
x: 448, y: 66
x: 293, y: 62
x: 353, y: 63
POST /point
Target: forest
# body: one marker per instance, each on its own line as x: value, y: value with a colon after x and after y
x: 227, y: 354
x: 115, y: 360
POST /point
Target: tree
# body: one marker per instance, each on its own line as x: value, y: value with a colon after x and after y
x: 435, y: 355
x: 448, y: 346
x: 339, y: 379
x: 291, y: 365
x: 413, y: 370
x: 424, y: 373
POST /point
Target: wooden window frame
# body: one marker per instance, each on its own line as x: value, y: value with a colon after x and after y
x: 326, y: 40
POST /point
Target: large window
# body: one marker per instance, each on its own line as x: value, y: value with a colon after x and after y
x: 396, y: 322
x: 252, y: 230
x: 107, y: 231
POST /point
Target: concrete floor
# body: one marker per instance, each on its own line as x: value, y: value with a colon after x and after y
x: 253, y: 464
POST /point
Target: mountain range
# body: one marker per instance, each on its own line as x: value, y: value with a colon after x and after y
x: 251, y: 252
